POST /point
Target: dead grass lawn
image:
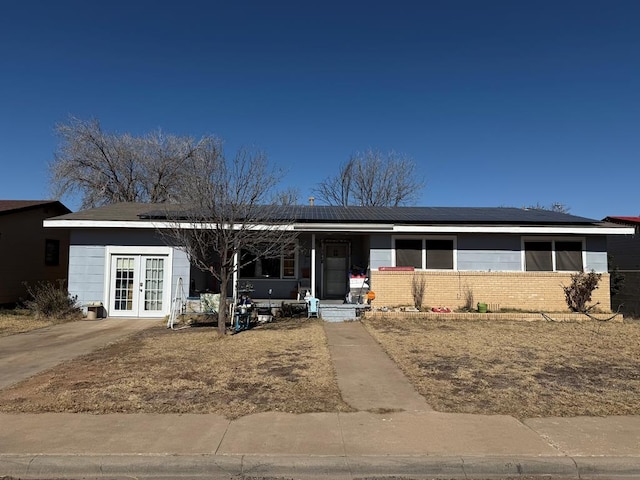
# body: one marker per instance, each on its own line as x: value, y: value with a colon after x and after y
x: 284, y: 366
x: 524, y: 369
x: 20, y: 321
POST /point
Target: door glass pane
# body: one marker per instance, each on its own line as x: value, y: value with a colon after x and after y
x: 124, y: 284
x: 154, y: 273
x: 335, y: 270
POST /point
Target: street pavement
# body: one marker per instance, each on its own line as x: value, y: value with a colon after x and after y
x: 393, y: 433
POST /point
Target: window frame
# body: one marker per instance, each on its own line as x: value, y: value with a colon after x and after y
x: 553, y: 240
x: 423, y: 239
x: 281, y: 259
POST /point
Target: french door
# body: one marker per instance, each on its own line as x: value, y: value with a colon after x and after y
x: 139, y: 285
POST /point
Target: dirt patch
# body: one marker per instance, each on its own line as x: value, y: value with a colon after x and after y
x: 283, y: 366
x: 524, y: 369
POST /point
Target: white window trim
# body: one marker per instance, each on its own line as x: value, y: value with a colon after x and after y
x: 553, y: 241
x: 424, y: 239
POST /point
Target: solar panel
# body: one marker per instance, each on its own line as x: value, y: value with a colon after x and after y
x: 402, y: 215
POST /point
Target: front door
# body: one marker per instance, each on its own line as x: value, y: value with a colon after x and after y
x: 138, y: 285
x: 336, y: 258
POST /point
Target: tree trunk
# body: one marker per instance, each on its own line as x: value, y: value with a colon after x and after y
x: 222, y: 310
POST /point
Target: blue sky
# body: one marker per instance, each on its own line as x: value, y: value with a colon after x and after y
x: 499, y: 103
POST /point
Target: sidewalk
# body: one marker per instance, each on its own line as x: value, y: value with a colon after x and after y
x: 394, y: 433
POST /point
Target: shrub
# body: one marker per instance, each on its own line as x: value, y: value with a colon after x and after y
x: 418, y: 286
x: 51, y: 299
x: 468, y: 299
x: 578, y: 294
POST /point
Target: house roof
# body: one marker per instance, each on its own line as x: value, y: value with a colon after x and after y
x: 331, y: 218
x: 623, y: 220
x: 322, y: 214
x: 12, y: 206
x: 114, y: 212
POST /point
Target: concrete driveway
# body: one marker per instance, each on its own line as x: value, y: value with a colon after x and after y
x: 25, y: 354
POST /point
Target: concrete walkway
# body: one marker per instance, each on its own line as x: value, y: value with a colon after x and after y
x: 368, y: 379
x: 395, y: 433
x: 26, y: 354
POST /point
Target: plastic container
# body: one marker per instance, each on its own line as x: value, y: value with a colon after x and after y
x: 482, y: 308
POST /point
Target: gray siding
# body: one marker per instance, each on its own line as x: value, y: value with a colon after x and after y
x: 86, y: 273
x: 87, y: 256
x: 180, y: 269
x: 489, y: 253
x: 596, y: 253
x: 380, y: 251
x: 496, y: 253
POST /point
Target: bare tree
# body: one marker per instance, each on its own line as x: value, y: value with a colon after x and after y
x: 288, y: 196
x: 336, y: 190
x: 225, y: 212
x: 108, y: 168
x: 372, y: 178
x: 554, y: 207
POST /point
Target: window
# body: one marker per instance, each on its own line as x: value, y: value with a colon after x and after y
x: 439, y: 254
x: 569, y: 256
x: 289, y: 264
x: 52, y: 252
x: 409, y: 253
x: 537, y: 257
x: 437, y: 251
x: 283, y: 266
x: 553, y: 255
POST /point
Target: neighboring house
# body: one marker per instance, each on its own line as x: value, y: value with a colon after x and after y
x: 506, y: 257
x: 624, y: 261
x: 29, y: 252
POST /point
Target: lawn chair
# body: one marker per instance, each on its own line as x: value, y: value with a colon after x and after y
x: 313, y: 306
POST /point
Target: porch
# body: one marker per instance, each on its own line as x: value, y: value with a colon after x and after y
x: 328, y: 310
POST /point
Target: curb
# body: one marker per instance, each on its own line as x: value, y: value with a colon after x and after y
x: 308, y: 467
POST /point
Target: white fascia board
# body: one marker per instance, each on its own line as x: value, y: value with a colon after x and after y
x: 149, y: 225
x: 343, y: 227
x: 365, y: 227
x: 516, y: 229
x: 99, y: 224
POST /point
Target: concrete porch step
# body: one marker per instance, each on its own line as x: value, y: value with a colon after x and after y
x: 340, y: 312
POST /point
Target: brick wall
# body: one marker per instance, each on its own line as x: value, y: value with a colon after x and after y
x: 519, y: 290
